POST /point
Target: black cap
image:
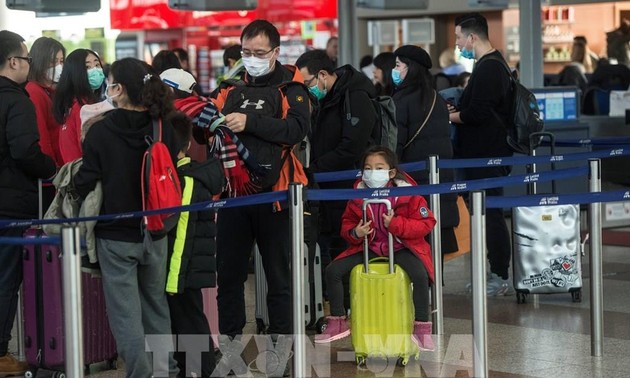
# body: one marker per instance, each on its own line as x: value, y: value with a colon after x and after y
x: 415, y: 53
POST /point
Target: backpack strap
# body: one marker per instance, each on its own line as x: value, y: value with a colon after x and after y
x: 157, y: 130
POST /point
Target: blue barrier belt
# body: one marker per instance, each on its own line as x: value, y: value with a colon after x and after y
x: 255, y: 199
x: 614, y: 151
x: 450, y: 187
x: 557, y: 199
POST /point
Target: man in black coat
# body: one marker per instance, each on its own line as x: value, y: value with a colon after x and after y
x: 337, y: 143
x: 21, y: 164
x: 481, y: 132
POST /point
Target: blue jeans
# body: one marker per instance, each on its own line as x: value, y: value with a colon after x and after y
x: 134, y: 282
x: 10, y: 280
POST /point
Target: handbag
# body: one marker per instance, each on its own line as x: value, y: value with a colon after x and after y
x: 423, y: 123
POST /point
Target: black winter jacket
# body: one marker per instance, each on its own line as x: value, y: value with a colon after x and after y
x: 112, y: 153
x: 434, y: 139
x: 338, y: 143
x: 191, y: 245
x: 22, y: 161
x: 484, y: 110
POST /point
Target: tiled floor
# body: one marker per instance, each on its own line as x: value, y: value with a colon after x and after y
x: 549, y: 336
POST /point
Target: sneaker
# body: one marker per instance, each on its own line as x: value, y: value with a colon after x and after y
x: 422, y: 335
x: 496, y: 286
x: 336, y: 328
x: 9, y: 366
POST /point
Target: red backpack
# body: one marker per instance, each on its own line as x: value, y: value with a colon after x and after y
x: 160, y: 184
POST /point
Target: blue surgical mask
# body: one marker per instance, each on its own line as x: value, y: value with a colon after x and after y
x: 396, y: 79
x: 95, y: 77
x: 468, y: 54
x: 318, y: 93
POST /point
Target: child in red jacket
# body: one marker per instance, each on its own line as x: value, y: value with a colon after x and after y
x: 409, y: 222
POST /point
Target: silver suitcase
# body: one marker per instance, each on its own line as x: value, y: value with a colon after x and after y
x: 547, y: 254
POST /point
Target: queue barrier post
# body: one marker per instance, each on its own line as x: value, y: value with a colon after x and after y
x: 596, y: 261
x: 478, y: 252
x: 73, y: 316
x: 436, y: 248
x: 296, y: 214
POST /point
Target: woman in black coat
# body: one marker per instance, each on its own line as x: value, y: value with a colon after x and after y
x: 423, y: 129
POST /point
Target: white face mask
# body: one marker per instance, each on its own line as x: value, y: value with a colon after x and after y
x: 109, y: 98
x: 54, y: 73
x: 375, y: 178
x: 257, y: 66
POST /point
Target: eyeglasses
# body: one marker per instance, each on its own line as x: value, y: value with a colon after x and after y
x: 28, y: 58
x: 258, y: 53
x: 309, y: 81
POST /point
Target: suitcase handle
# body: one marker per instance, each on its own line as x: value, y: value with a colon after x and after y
x: 390, y: 237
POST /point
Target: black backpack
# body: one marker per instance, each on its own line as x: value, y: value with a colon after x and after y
x: 524, y: 116
x: 385, y: 132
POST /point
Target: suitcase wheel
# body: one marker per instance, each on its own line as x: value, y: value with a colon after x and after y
x: 361, y: 360
x: 29, y: 374
x: 59, y: 374
x: 112, y: 364
x: 576, y: 296
x: 261, y: 328
x: 520, y: 297
x: 320, y: 325
x: 402, y: 361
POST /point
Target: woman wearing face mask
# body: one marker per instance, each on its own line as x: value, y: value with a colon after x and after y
x: 424, y: 130
x: 48, y: 57
x: 409, y: 222
x: 82, y: 82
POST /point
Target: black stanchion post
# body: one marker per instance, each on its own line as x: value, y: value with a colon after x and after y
x: 71, y: 270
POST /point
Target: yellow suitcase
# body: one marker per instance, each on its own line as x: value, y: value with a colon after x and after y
x: 381, y: 304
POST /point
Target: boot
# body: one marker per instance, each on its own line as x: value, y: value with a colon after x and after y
x: 423, y: 336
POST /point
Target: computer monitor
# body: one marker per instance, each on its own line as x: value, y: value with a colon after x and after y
x: 558, y: 104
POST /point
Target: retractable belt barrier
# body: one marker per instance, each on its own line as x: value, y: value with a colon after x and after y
x: 295, y: 197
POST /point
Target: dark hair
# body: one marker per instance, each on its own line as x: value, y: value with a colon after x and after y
x: 232, y: 52
x: 460, y: 79
x: 262, y: 27
x: 385, y: 61
x: 164, y: 60
x: 10, y: 44
x: 181, y: 54
x: 315, y: 61
x: 144, y: 86
x: 418, y: 77
x: 182, y: 124
x: 44, y: 51
x: 473, y: 23
x: 74, y: 84
x: 365, y: 61
x: 390, y: 158
x: 580, y: 38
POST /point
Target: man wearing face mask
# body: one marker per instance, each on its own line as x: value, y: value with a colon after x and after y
x: 270, y: 113
x: 484, y: 110
x: 21, y: 164
x: 337, y: 143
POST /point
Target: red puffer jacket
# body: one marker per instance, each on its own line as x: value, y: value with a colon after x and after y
x: 412, y: 221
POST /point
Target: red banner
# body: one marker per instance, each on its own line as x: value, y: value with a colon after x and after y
x: 155, y: 14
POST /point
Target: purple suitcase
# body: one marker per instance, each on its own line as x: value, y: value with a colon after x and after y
x: 43, y: 311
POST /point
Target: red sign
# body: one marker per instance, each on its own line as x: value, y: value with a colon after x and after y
x: 155, y: 14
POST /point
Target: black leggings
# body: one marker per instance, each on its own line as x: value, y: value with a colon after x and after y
x: 406, y: 259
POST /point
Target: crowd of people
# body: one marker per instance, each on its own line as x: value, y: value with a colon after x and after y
x: 245, y: 132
